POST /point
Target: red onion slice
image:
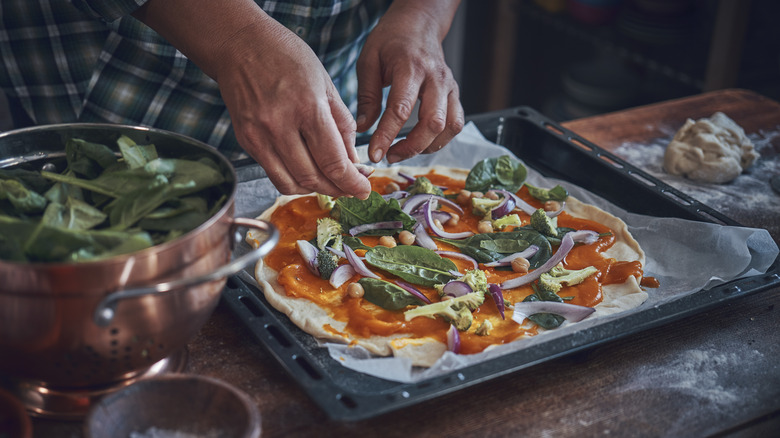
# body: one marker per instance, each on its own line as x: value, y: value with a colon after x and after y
x: 461, y: 256
x: 571, y: 312
x: 422, y: 238
x: 526, y: 253
x: 438, y: 231
x: 456, y: 288
x: 498, y: 297
x: 412, y: 290
x: 505, y: 207
x: 453, y: 339
x: 341, y: 275
x: 407, y: 177
x: 415, y: 201
x: 358, y: 264
x: 309, y: 254
x: 558, y: 211
x: 567, y: 243
x: 398, y: 194
x: 384, y: 225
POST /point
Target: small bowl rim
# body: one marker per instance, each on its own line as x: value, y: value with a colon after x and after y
x: 254, y: 419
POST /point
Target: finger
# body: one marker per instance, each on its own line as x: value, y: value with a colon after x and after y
x: 276, y: 171
x: 369, y: 92
x: 455, y: 122
x: 345, y: 124
x: 326, y: 147
x: 303, y: 168
x: 431, y: 123
x: 400, y: 104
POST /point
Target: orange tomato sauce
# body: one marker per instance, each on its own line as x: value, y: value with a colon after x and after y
x: 297, y: 220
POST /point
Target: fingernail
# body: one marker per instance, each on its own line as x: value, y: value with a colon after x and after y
x: 376, y: 156
x: 393, y: 158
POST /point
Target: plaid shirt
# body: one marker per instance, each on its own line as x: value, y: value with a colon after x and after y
x: 89, y: 61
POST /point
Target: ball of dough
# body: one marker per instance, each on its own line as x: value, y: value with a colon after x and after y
x: 714, y: 150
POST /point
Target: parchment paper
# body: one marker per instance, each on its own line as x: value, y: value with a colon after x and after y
x: 685, y: 256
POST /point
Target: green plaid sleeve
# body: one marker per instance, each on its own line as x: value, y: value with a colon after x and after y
x: 108, y: 10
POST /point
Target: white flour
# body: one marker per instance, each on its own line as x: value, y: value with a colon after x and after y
x: 749, y: 199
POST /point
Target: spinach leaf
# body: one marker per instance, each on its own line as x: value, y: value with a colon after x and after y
x: 354, y: 242
x: 179, y: 214
x: 29, y: 178
x: 136, y: 155
x: 387, y: 295
x: 22, y: 199
x: 489, y: 247
x: 557, y: 193
x: 74, y: 215
x: 545, y: 320
x: 502, y: 172
x: 351, y: 212
x: 88, y: 159
x: 414, y: 264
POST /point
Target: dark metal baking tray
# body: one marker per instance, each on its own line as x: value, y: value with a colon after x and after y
x: 555, y: 152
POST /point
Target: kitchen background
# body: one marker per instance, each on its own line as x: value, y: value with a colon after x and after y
x: 576, y: 58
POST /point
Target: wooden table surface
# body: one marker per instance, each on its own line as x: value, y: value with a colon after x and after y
x: 714, y: 373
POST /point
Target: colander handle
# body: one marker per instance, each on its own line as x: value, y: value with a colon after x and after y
x: 106, y: 309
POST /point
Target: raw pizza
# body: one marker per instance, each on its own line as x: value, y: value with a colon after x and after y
x: 424, y: 266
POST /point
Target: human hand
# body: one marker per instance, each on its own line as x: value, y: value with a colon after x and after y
x: 285, y: 110
x: 404, y: 52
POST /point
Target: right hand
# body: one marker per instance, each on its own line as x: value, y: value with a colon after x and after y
x: 286, y: 112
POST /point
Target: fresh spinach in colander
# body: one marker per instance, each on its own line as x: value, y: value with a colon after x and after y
x: 104, y: 204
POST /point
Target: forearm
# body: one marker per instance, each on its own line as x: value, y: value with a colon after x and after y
x: 439, y: 12
x: 212, y: 33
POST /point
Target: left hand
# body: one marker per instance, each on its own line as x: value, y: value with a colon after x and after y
x: 404, y: 52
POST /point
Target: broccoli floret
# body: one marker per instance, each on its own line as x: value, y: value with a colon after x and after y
x: 456, y: 311
x: 506, y: 221
x: 482, y: 206
x: 543, y: 223
x: 326, y: 263
x: 554, y: 280
x: 424, y: 185
x: 477, y: 281
x: 484, y: 328
x: 328, y: 234
x: 325, y: 202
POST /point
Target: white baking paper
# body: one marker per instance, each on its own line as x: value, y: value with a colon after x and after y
x: 685, y: 256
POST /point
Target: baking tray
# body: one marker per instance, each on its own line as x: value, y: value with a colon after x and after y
x: 555, y: 152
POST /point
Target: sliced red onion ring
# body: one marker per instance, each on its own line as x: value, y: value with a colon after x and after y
x: 461, y: 256
x: 438, y: 231
x: 415, y: 201
x: 571, y: 312
x: 441, y: 216
x: 567, y: 243
x: 526, y: 207
x: 309, y: 254
x: 456, y: 288
x: 498, y: 297
x: 412, y: 290
x: 384, y: 225
x: 453, y: 339
x: 505, y: 207
x: 526, y: 253
x: 341, y: 274
x: 398, y: 194
x: 422, y: 238
x: 558, y: 211
x: 358, y: 264
x: 407, y: 177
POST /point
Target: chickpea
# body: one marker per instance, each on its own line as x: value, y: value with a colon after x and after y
x: 392, y: 187
x: 453, y: 220
x: 552, y: 206
x: 406, y: 237
x: 464, y: 196
x: 485, y: 227
x: 387, y: 241
x: 492, y: 195
x: 520, y: 264
x: 437, y: 223
x: 355, y: 290
x: 477, y: 195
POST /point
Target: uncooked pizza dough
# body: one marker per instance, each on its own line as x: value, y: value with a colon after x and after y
x: 713, y: 150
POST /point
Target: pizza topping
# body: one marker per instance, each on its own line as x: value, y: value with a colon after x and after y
x: 567, y: 243
x: 554, y: 280
x: 383, y: 225
x: 341, y: 275
x: 456, y: 288
x: 522, y: 255
x: 543, y: 223
x: 412, y: 290
x: 388, y: 295
x: 414, y: 264
x: 357, y: 263
x: 456, y: 311
x: 460, y: 256
x: 309, y: 253
x: 571, y: 312
x: 498, y: 297
x: 453, y: 339
x: 426, y: 208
